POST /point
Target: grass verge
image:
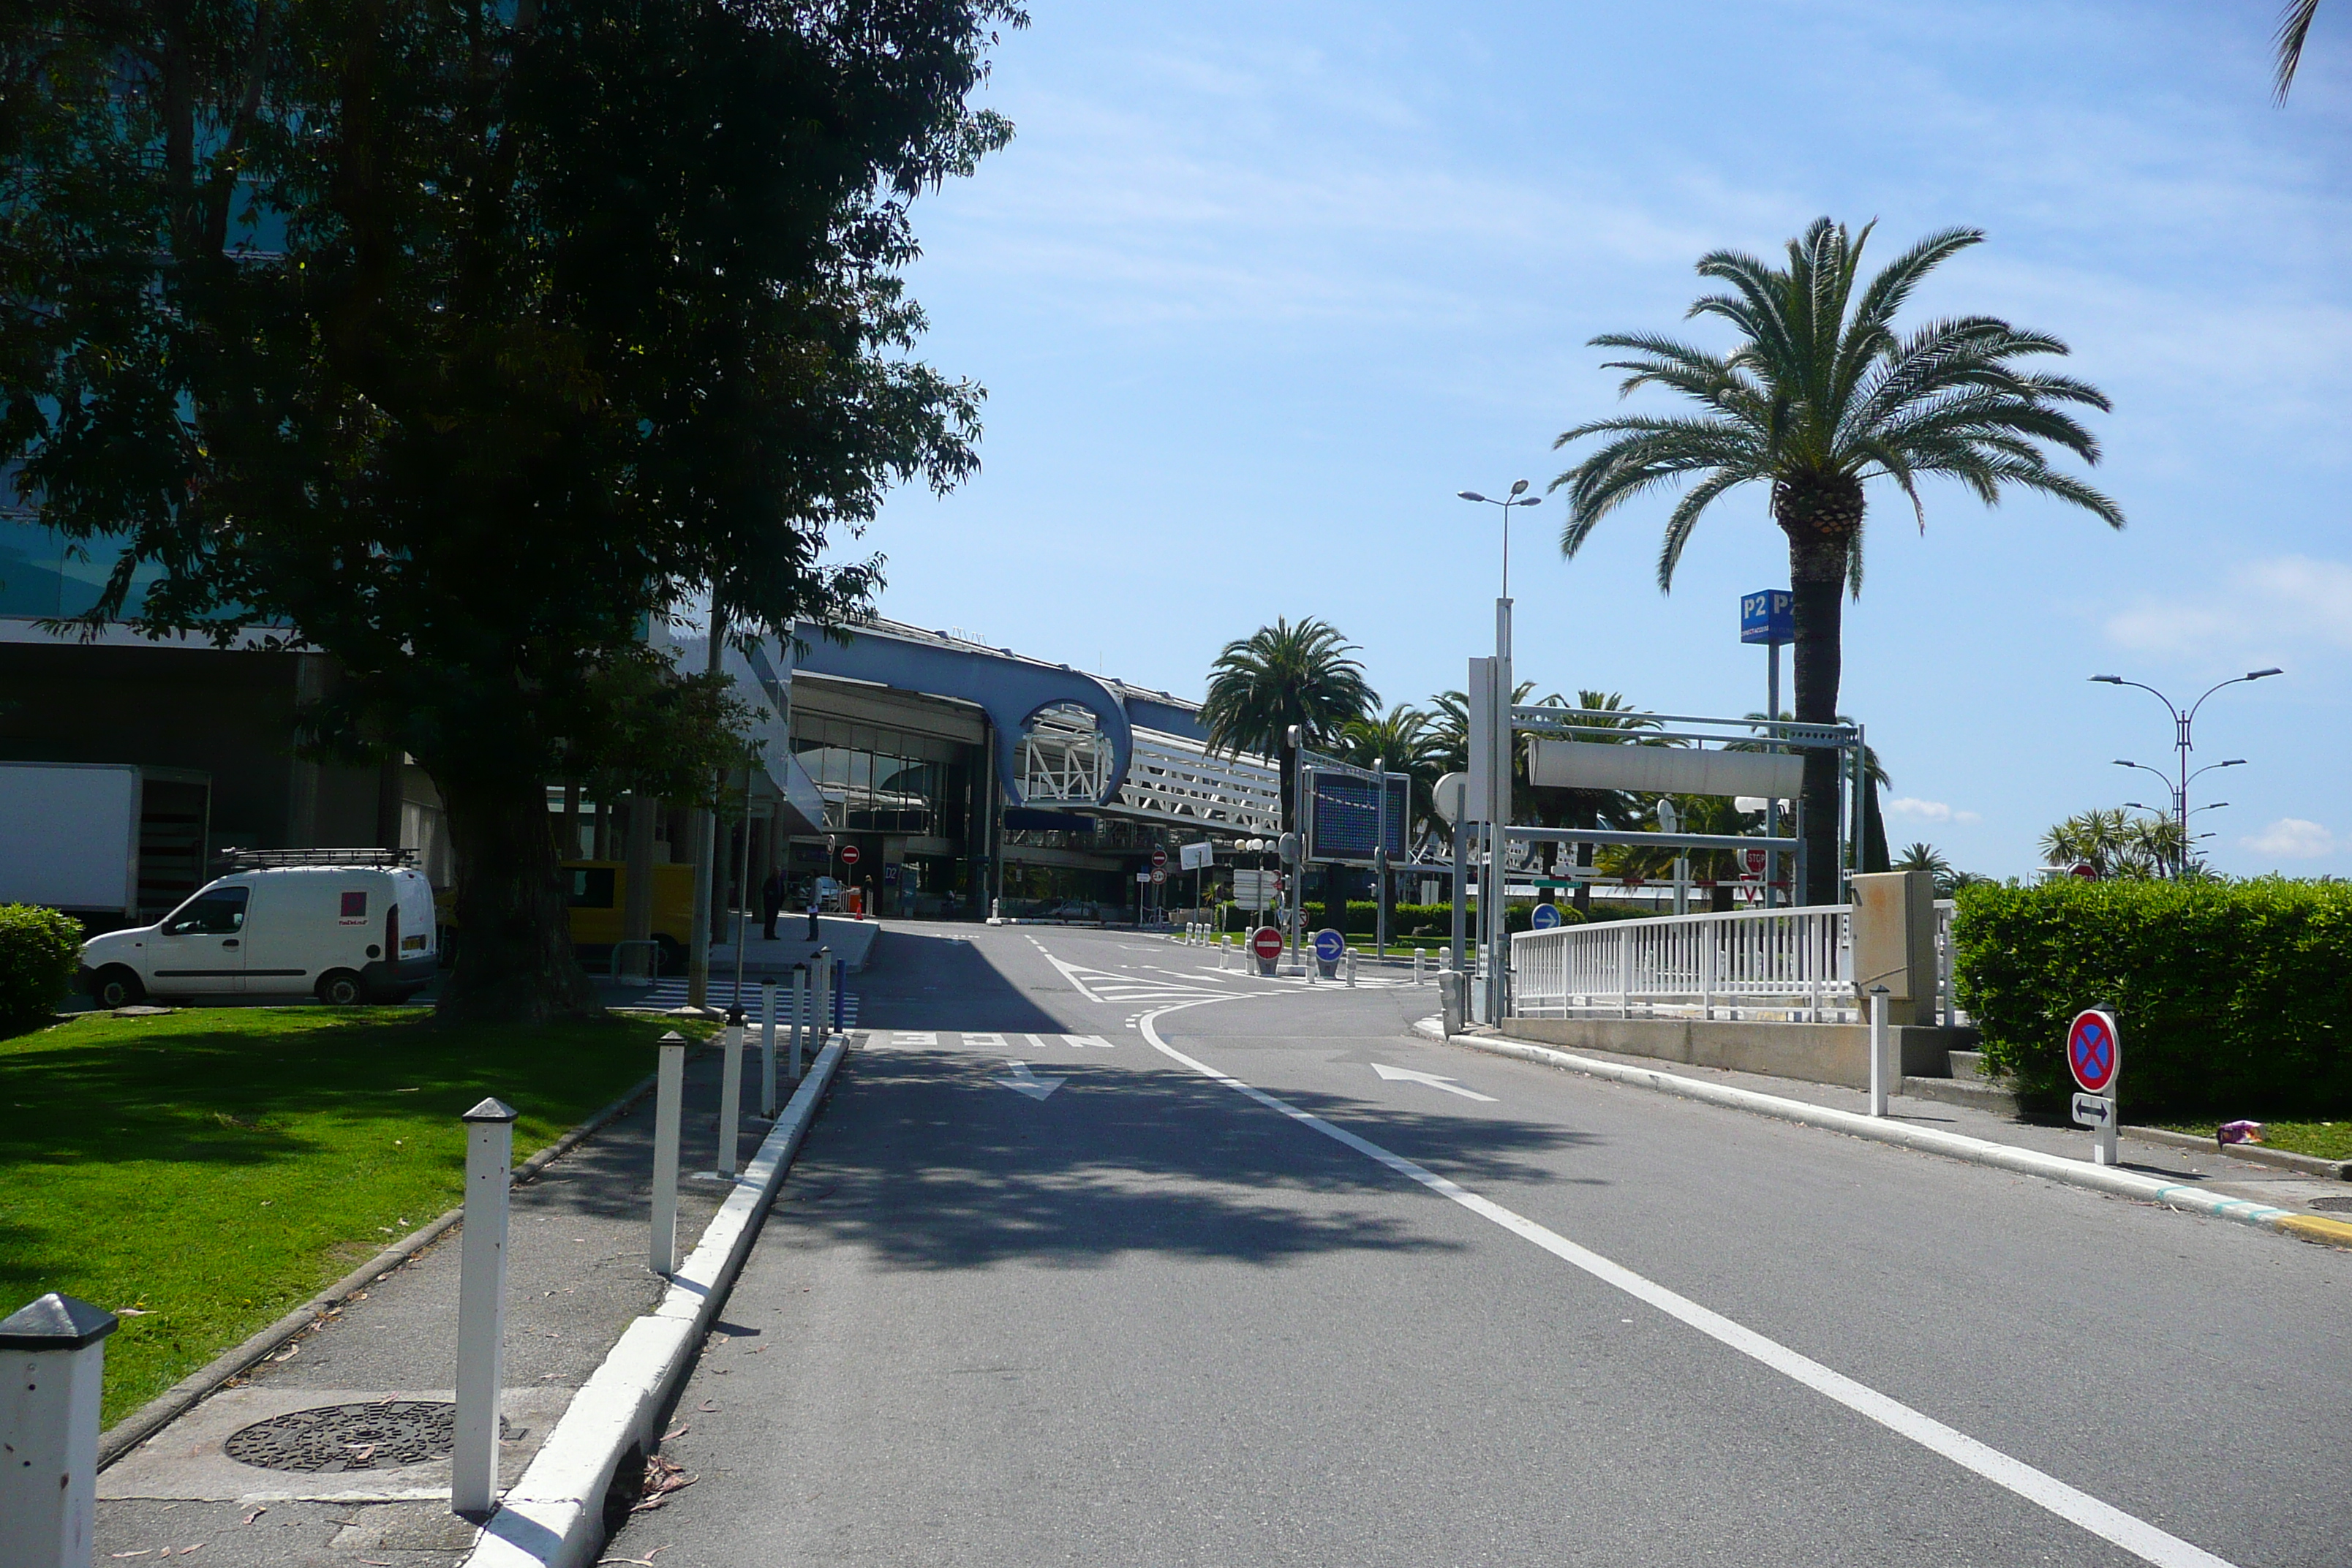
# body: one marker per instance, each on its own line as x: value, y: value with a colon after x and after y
x: 2324, y: 1139
x: 205, y: 1172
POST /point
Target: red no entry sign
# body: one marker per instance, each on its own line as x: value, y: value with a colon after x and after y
x: 1266, y: 943
x: 849, y: 854
x: 2093, y: 1052
x: 1159, y: 860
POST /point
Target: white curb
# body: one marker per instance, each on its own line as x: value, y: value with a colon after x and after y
x: 554, y: 1516
x: 1957, y: 1146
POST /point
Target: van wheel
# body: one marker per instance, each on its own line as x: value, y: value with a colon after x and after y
x: 341, y: 988
x: 116, y: 986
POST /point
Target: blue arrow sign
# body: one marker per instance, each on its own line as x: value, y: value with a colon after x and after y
x: 1329, y: 945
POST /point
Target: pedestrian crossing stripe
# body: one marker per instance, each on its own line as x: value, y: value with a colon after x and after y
x: 951, y: 1039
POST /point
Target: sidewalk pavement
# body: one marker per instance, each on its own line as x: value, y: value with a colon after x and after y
x: 852, y: 942
x: 578, y: 1275
x: 2207, y: 1169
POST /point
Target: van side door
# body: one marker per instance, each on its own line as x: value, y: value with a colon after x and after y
x: 281, y: 944
x: 199, y: 948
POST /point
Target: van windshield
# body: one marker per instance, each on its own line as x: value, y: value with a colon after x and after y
x: 218, y: 913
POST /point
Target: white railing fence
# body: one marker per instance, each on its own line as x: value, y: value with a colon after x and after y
x: 1792, y: 965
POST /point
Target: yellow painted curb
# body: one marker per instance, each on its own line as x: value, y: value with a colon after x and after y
x: 2311, y: 1228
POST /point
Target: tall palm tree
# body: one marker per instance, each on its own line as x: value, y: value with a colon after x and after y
x: 1820, y: 396
x: 1922, y: 855
x: 2114, y: 843
x: 1280, y: 676
x: 2294, y: 25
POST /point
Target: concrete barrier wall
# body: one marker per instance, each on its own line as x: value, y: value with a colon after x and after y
x: 1817, y: 1053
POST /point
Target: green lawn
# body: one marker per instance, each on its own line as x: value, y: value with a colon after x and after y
x: 215, y: 1167
x: 2327, y: 1140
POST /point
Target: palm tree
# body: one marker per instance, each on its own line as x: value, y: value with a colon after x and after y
x: 1278, y: 676
x: 2115, y: 844
x: 1922, y: 857
x: 1820, y: 396
x: 2294, y: 25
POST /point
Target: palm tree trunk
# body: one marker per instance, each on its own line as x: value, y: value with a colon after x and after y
x: 1817, y: 584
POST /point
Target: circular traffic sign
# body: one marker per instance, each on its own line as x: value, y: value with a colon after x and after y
x: 2093, y: 1053
x: 1546, y: 917
x: 1329, y: 945
x: 1160, y: 873
x: 1158, y: 860
x: 2085, y: 870
x: 849, y: 854
x: 1266, y: 943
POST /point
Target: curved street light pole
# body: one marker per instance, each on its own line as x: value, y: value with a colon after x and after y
x: 1492, y: 927
x: 2183, y: 724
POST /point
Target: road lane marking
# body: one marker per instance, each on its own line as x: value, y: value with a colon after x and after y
x: 2110, y: 1523
x: 1406, y: 1075
x: 1024, y: 1082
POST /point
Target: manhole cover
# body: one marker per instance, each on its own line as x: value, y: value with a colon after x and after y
x: 367, y: 1437
x: 2333, y: 1206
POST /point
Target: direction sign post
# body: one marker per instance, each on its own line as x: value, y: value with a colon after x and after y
x: 1330, y: 948
x: 2094, y: 1055
x: 1546, y: 917
x: 1265, y: 946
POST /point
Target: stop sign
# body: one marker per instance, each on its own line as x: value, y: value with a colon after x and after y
x: 1159, y: 860
x: 1266, y: 943
x: 849, y: 854
x: 1754, y: 860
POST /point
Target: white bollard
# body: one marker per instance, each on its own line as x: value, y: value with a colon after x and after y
x: 768, y: 1049
x: 1416, y: 966
x: 800, y: 1017
x: 822, y: 986
x: 1352, y: 966
x: 482, y: 1308
x: 52, y: 1359
x: 669, y: 1089
x: 731, y: 1093
x: 1878, y: 1050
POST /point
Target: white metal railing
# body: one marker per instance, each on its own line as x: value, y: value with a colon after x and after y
x: 1794, y: 964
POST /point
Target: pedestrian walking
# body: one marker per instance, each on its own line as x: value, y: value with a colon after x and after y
x: 772, y: 903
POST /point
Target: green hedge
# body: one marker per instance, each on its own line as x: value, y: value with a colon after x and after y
x: 39, y: 951
x: 2232, y: 998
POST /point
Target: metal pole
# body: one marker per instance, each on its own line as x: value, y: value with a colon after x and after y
x: 482, y: 1308
x: 730, y: 1092
x: 669, y: 1089
x: 704, y: 825
x: 1878, y: 1050
x: 1772, y: 805
x: 821, y: 983
x: 1461, y: 894
x: 742, y: 889
x: 52, y: 1362
x: 768, y: 1049
x: 800, y: 1012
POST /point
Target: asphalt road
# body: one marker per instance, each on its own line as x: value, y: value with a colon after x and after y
x: 1118, y: 1309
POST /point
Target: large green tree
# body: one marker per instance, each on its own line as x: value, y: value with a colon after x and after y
x: 1280, y: 676
x: 461, y: 339
x: 1819, y: 397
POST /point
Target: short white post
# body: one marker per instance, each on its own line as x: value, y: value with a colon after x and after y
x: 768, y: 1049
x: 730, y: 1092
x: 1878, y: 1085
x: 669, y: 1089
x: 800, y: 1015
x: 52, y: 1358
x: 482, y: 1308
x: 823, y: 987
x: 1352, y: 966
x: 1416, y: 966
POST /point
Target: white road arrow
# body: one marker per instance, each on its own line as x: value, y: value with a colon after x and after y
x: 1024, y: 1082
x: 1431, y: 1078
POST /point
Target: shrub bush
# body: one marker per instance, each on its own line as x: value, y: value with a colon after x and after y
x: 2231, y: 998
x: 39, y: 951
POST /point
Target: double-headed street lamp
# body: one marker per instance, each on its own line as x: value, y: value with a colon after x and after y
x: 2177, y: 785
x: 1493, y: 939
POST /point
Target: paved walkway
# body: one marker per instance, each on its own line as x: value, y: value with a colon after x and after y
x: 578, y: 1274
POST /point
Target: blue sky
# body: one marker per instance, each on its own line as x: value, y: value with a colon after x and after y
x: 1258, y: 288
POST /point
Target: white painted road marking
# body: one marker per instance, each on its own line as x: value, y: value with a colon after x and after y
x: 1024, y: 1082
x: 1406, y: 1075
x: 983, y: 1042
x: 2134, y: 1534
x: 912, y: 1037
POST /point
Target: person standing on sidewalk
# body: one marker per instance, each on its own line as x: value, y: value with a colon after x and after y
x: 772, y: 903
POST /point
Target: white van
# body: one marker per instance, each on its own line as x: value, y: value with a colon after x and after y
x: 342, y: 933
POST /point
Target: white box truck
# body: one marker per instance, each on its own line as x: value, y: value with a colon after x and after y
x: 112, y: 843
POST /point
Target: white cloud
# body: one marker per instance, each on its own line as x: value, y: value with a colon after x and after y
x: 1929, y: 811
x: 2265, y: 609
x: 2292, y: 839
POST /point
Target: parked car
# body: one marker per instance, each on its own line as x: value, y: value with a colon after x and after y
x: 342, y: 933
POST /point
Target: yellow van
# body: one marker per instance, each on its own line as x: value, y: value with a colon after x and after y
x: 597, y: 892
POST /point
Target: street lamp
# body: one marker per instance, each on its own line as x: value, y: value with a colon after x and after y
x: 1493, y: 937
x: 1518, y: 497
x: 2182, y: 722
